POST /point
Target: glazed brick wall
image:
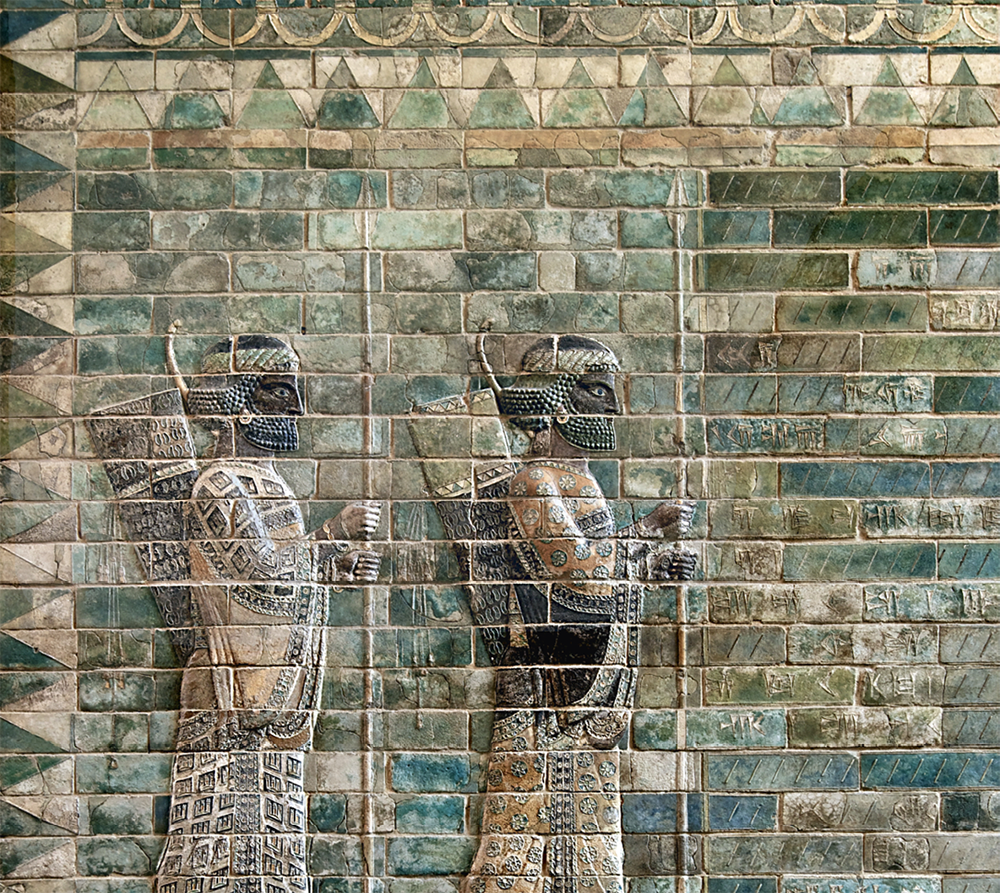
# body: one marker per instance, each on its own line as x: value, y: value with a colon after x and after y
x: 784, y: 220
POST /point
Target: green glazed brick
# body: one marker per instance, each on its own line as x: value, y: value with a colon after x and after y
x: 112, y: 159
x: 954, y: 393
x: 430, y: 814
x: 729, y: 728
x: 304, y: 272
x: 412, y: 856
x: 227, y: 230
x: 111, y: 231
x: 646, y: 229
x: 103, y: 856
x: 770, y: 603
x: 944, y: 353
x: 973, y: 686
x: 339, y: 856
x: 824, y: 854
x: 709, y: 229
x: 740, y: 393
x: 733, y: 646
x: 855, y: 479
x: 861, y: 562
x: 192, y: 158
x: 966, y: 269
x: 729, y: 313
x: 771, y: 188
x: 969, y: 728
x: 492, y: 230
x: 99, y: 648
x: 157, y: 190
x: 768, y: 271
x: 964, y: 312
x: 641, y: 312
x: 850, y: 227
x: 308, y: 190
x: 119, y: 815
x: 109, y: 316
x: 810, y: 393
x: 972, y: 436
x: 607, y: 189
x: 406, y: 230
x: 561, y: 312
x: 771, y: 435
x: 652, y: 394
x: 815, y: 727
x: 124, y: 774
x: 964, y: 226
x: 921, y: 187
x: 932, y: 602
x: 654, y: 730
x: 120, y: 354
x: 852, y: 313
x: 784, y: 685
x: 787, y: 353
x: 238, y: 313
x: 337, y: 732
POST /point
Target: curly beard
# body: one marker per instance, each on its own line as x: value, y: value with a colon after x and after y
x: 271, y: 432
x: 588, y: 432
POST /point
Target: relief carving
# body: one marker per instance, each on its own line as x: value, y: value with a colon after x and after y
x: 556, y: 586
x: 246, y: 606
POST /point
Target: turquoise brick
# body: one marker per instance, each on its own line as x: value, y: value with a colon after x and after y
x: 969, y: 561
x: 861, y: 562
x: 855, y: 478
x: 931, y: 771
x: 430, y: 815
x: 654, y: 813
x: 826, y: 853
x: 423, y: 772
x: 752, y: 813
x: 965, y: 479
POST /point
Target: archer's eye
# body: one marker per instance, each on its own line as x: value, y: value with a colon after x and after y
x: 599, y: 391
x: 280, y: 391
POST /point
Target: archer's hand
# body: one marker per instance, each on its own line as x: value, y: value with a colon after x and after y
x: 671, y: 520
x: 360, y: 566
x: 358, y: 520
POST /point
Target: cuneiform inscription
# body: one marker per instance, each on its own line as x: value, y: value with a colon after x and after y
x: 859, y: 811
x: 931, y: 517
x: 783, y: 518
x: 767, y: 435
x: 804, y: 603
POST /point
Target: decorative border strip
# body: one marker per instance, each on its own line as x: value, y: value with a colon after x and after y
x: 606, y: 25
